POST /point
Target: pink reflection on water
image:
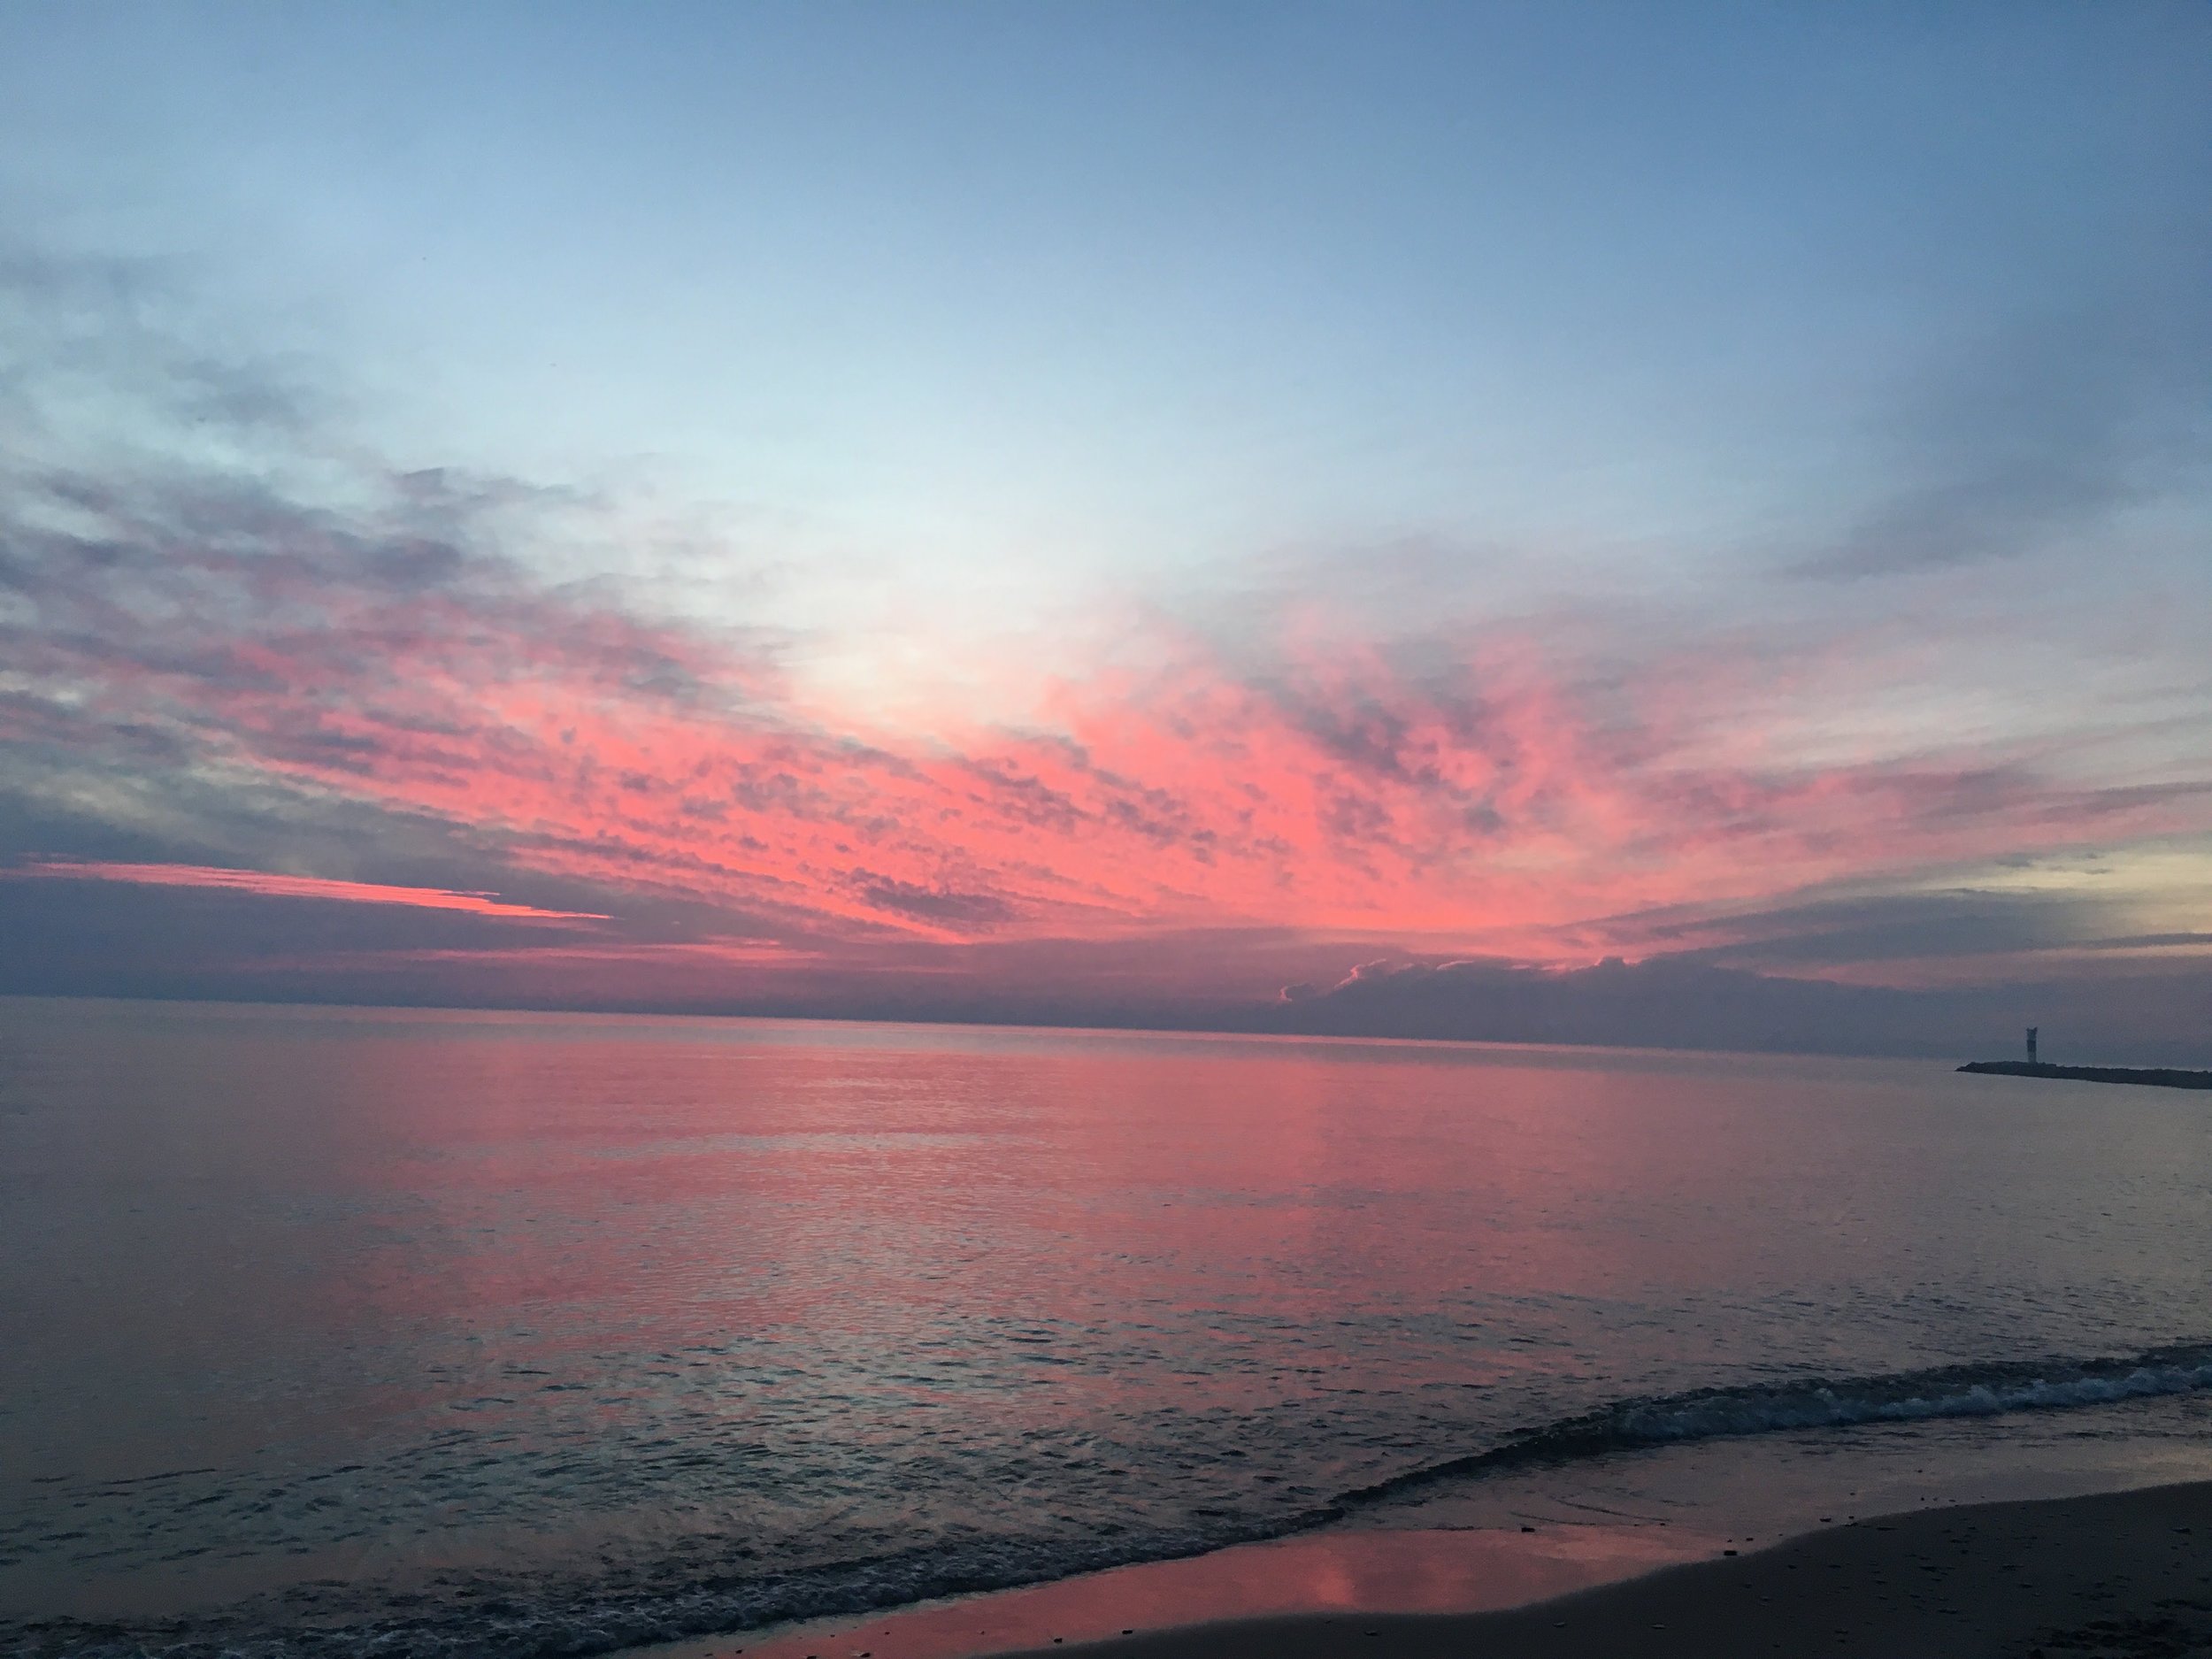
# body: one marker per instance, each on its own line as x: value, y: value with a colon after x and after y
x: 1472, y: 1571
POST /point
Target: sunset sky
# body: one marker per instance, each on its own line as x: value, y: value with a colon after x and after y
x: 1105, y: 511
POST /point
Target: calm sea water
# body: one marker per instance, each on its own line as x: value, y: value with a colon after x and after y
x: 340, y: 1332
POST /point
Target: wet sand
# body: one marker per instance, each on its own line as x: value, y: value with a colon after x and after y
x: 2123, y: 1576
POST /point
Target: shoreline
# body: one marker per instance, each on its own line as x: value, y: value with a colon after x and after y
x: 1994, y: 1567
x: 1513, y: 1539
x: 2125, y: 1574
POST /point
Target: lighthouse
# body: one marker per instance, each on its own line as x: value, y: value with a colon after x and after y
x: 2032, y: 1030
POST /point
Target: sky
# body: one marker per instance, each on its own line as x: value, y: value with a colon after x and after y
x: 1279, y: 516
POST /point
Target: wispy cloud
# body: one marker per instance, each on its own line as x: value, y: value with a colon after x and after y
x: 263, y: 885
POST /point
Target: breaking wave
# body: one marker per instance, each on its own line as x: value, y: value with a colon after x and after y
x: 1709, y: 1414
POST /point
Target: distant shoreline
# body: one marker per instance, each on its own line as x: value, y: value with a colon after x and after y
x: 2161, y: 1077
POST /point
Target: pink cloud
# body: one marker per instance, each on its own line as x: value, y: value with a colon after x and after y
x: 1516, y: 794
x: 273, y: 887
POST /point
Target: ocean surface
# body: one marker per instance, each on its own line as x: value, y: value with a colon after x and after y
x: 333, y: 1332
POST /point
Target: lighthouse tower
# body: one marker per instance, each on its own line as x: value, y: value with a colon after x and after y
x: 2032, y: 1030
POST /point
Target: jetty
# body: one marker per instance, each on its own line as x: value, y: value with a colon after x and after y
x: 2162, y: 1077
x: 2158, y: 1076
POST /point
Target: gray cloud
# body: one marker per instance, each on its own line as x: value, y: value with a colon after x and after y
x: 2041, y: 432
x: 92, y: 938
x: 945, y: 905
x: 2159, y: 1017
x: 1891, y: 927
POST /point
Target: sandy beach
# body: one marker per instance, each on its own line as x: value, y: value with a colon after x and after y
x: 2124, y: 1576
